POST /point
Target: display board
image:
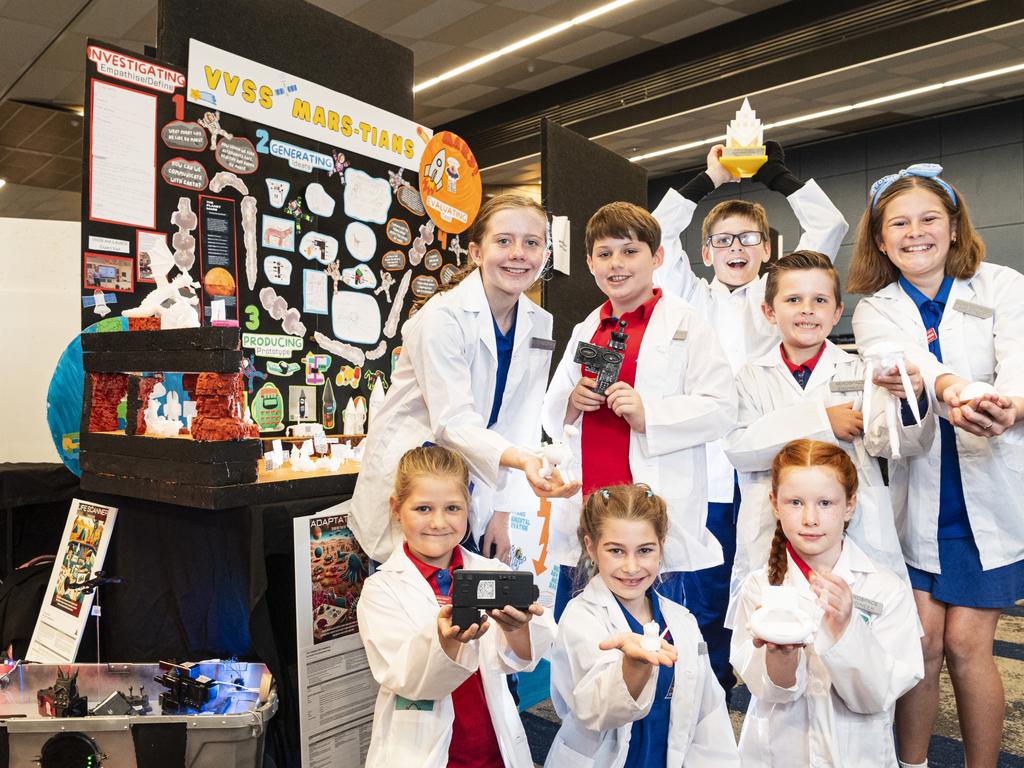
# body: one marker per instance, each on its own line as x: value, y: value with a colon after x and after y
x: 579, y: 177
x: 306, y: 229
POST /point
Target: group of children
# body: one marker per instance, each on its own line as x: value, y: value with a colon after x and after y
x: 731, y: 455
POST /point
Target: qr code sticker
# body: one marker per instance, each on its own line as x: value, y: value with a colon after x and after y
x: 485, y: 590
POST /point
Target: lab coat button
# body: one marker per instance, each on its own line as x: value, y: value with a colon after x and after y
x: 819, y: 688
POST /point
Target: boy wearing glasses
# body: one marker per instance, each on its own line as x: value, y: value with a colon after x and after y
x: 734, y: 237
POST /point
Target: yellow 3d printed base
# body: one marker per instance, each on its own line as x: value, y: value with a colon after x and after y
x: 743, y: 161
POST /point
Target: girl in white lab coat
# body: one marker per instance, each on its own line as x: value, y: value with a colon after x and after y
x: 622, y: 705
x: 829, y: 702
x: 807, y: 387
x: 959, y: 506
x: 471, y: 377
x: 443, y: 698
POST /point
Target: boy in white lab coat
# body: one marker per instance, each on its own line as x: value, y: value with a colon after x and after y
x: 735, y: 242
x: 674, y: 394
x: 807, y: 387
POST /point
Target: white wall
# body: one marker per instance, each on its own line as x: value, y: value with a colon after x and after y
x: 39, y: 315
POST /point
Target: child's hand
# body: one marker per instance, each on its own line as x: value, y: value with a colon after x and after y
x: 718, y: 172
x: 846, y: 422
x: 835, y: 597
x: 553, y: 487
x: 583, y: 397
x: 626, y: 404
x: 496, y: 535
x: 784, y: 649
x: 452, y: 636
x: 629, y: 644
x: 890, y: 380
x: 511, y: 619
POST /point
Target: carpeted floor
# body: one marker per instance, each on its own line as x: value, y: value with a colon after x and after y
x: 946, y: 750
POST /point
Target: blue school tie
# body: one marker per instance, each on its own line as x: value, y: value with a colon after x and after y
x: 443, y: 578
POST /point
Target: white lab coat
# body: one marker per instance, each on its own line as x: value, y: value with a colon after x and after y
x: 775, y: 410
x: 736, y: 315
x: 596, y: 708
x: 839, y: 712
x: 441, y: 391
x: 686, y: 385
x: 977, y: 349
x: 398, y: 625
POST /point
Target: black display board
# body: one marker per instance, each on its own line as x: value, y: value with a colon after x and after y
x: 263, y: 221
x: 579, y: 177
x: 296, y: 37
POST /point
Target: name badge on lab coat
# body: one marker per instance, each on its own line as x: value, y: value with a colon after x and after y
x: 867, y: 605
x: 702, y: 648
x: 538, y: 343
x: 679, y: 335
x: 975, y: 310
x: 850, y: 385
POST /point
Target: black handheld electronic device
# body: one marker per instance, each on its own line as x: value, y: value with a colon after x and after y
x: 476, y: 591
x: 605, y: 362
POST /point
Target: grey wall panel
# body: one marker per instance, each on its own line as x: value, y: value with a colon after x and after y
x: 579, y: 177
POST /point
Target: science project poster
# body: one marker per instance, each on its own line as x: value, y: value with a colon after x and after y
x: 290, y: 210
x: 65, y: 609
x: 337, y: 691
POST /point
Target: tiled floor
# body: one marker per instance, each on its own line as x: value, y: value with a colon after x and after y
x: 946, y: 750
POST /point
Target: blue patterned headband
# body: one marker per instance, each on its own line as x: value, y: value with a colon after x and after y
x: 924, y: 170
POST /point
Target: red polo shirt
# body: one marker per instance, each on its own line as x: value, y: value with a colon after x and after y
x: 802, y: 371
x: 474, y: 743
x: 605, y: 436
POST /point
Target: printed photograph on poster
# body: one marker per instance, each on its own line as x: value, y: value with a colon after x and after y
x: 65, y: 608
x: 144, y: 242
x: 337, y: 570
x: 108, y: 273
x: 301, y: 404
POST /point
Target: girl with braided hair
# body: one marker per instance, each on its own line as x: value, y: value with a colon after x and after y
x: 829, y: 701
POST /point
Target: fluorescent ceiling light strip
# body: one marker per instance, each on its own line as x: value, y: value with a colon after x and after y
x: 846, y: 108
x: 523, y: 43
x: 829, y: 73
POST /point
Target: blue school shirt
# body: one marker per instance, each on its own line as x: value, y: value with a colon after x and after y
x: 648, y: 740
x: 503, y: 343
x: 953, y: 521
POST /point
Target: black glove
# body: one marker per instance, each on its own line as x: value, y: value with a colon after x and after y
x: 774, y: 174
x: 697, y: 188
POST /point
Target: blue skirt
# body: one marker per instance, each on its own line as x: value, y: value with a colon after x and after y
x: 964, y: 583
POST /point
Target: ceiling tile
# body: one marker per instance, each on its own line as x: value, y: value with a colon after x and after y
x: 556, y: 74
x: 438, y: 15
x: 445, y: 97
x: 112, y: 18
x: 692, y: 25
x: 569, y: 52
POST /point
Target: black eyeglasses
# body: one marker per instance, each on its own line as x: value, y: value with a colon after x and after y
x: 725, y: 239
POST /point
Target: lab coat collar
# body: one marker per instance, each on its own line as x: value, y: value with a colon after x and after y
x: 831, y: 358
x: 717, y: 286
x: 472, y: 298
x: 400, y: 564
x: 597, y: 593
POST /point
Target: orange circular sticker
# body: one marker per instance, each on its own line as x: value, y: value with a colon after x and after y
x: 450, y: 182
